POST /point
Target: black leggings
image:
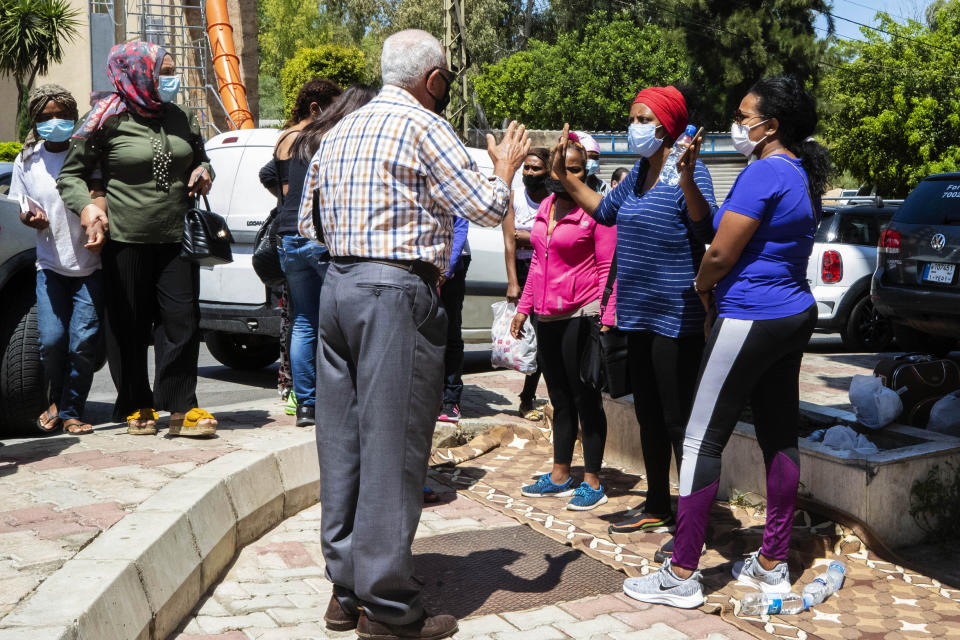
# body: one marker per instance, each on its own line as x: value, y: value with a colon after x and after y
x: 530, y: 382
x: 560, y: 344
x: 152, y: 295
x: 663, y: 375
x: 755, y: 361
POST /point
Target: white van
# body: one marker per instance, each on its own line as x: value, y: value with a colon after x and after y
x: 239, y: 315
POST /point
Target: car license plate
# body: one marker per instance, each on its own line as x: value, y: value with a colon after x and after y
x: 939, y: 272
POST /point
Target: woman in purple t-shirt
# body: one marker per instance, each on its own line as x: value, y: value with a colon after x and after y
x: 756, y: 268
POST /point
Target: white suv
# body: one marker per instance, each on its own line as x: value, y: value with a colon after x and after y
x: 239, y: 315
x: 841, y: 266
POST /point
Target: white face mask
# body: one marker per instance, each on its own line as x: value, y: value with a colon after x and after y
x: 740, y: 134
x: 643, y: 139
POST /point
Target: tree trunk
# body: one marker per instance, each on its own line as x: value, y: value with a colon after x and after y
x: 527, y: 24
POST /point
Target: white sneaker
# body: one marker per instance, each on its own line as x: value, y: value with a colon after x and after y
x: 664, y: 587
x: 749, y: 573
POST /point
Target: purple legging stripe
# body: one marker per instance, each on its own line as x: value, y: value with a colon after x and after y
x: 783, y: 478
x: 693, y: 511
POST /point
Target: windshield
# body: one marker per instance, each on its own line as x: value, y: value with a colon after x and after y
x: 932, y: 202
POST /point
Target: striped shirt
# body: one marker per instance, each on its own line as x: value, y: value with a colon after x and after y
x: 659, y: 250
x: 390, y: 178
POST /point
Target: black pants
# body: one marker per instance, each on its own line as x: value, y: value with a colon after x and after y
x: 663, y: 374
x: 152, y: 294
x: 530, y: 382
x: 452, y: 293
x: 560, y: 344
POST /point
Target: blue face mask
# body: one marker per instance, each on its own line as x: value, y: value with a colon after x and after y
x: 55, y: 129
x: 643, y: 139
x: 592, y: 166
x: 167, y: 87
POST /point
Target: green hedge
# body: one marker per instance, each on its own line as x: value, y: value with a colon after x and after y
x: 343, y: 65
x: 9, y: 151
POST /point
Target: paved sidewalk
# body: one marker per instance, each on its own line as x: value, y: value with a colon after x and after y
x: 276, y: 589
x: 58, y: 494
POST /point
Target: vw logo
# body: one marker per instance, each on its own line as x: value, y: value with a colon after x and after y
x: 938, y: 241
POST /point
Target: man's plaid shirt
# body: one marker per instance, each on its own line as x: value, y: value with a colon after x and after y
x: 389, y: 179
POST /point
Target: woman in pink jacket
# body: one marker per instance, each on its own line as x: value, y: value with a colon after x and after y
x: 571, y: 260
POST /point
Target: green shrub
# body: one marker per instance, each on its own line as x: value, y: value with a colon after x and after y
x: 343, y: 65
x: 9, y: 151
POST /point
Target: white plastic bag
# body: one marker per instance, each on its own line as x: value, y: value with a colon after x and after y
x: 945, y: 415
x: 520, y: 355
x: 844, y: 438
x: 876, y: 406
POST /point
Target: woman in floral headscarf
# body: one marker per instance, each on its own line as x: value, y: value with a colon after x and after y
x: 150, y: 155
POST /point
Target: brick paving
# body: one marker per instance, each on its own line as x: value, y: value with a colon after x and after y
x: 276, y: 589
x: 58, y: 493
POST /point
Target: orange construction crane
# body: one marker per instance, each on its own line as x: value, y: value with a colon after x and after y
x: 226, y: 64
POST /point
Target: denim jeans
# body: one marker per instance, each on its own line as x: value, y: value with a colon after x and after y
x: 69, y: 311
x: 304, y: 264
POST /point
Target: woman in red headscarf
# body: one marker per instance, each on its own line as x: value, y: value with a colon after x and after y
x: 661, y: 233
x: 149, y: 153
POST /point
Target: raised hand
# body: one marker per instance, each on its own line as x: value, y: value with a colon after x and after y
x: 508, y: 155
x: 559, y: 167
x: 687, y: 163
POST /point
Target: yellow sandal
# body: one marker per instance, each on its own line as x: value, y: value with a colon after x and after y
x: 190, y: 425
x: 140, y: 424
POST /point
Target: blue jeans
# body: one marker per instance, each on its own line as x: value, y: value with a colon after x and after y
x: 304, y: 264
x: 69, y: 311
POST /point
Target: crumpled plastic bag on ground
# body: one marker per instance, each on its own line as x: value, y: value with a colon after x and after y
x: 844, y: 438
x: 506, y: 351
x: 945, y: 415
x: 876, y: 405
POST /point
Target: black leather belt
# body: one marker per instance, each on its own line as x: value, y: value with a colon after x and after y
x: 426, y: 271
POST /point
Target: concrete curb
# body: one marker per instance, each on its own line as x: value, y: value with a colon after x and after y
x: 141, y: 577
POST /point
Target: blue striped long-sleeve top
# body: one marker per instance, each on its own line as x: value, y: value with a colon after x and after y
x: 659, y: 250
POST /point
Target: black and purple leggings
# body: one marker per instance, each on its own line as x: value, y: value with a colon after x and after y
x: 755, y: 361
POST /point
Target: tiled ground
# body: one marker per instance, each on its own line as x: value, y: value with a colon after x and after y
x: 276, y: 589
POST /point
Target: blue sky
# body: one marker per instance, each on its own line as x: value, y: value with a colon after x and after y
x: 865, y: 10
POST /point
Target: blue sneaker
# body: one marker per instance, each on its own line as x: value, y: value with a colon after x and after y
x: 586, y: 497
x: 545, y: 488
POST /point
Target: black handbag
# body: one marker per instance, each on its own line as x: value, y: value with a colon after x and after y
x: 266, y: 259
x: 603, y: 363
x: 206, y: 237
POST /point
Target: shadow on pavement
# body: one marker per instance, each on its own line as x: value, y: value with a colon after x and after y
x: 263, y: 378
x: 14, y: 455
x: 247, y: 419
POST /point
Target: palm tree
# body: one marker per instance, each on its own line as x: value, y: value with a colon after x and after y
x: 32, y: 33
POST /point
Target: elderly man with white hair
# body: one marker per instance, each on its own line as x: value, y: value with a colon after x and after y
x: 385, y: 187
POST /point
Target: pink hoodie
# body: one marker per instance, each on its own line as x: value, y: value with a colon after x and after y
x: 574, y: 270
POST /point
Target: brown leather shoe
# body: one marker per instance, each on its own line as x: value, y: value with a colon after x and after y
x: 426, y: 628
x: 338, y: 618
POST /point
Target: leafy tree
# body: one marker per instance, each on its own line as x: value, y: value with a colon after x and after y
x: 895, y: 103
x: 9, y: 151
x: 588, y: 83
x: 343, y: 65
x: 32, y: 33
x: 734, y: 44
x: 930, y: 14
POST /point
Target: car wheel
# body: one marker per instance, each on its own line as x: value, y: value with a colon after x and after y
x: 910, y: 339
x: 866, y: 329
x: 22, y: 391
x: 239, y: 351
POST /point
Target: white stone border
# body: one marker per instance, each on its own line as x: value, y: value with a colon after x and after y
x: 141, y: 577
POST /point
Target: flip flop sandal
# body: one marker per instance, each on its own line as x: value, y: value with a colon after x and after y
x: 142, y: 425
x: 77, y: 428
x: 190, y: 426
x: 47, y: 423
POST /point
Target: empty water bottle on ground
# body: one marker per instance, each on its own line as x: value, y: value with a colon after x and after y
x: 754, y: 604
x: 669, y: 174
x: 824, y: 584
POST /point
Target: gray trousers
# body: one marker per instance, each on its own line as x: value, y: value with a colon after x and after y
x: 382, y: 333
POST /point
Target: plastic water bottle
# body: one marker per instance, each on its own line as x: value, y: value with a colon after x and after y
x: 824, y: 584
x: 669, y: 174
x: 754, y: 604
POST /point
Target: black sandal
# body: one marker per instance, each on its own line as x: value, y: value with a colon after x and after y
x: 47, y: 423
x: 82, y: 428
